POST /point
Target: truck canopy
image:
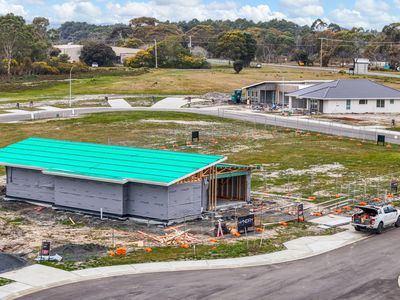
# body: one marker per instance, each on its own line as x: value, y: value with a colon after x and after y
x: 368, y: 209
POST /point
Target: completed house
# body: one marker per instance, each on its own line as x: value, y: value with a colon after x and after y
x: 346, y: 96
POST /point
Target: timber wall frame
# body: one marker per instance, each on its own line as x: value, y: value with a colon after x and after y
x: 226, y: 182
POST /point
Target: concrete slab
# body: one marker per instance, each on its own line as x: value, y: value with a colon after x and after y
x: 50, y: 108
x: 15, y: 287
x: 18, y: 111
x: 153, y: 267
x: 331, y: 220
x: 38, y: 275
x: 322, y: 246
x: 174, y: 102
x: 189, y: 265
x: 119, y: 103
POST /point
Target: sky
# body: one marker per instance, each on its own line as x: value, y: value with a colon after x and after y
x: 369, y: 14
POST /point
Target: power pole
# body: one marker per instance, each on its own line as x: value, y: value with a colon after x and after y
x: 190, y: 43
x: 70, y: 86
x: 155, y: 52
x: 320, y: 52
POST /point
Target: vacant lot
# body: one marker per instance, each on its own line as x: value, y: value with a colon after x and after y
x: 289, y: 161
x: 160, y: 82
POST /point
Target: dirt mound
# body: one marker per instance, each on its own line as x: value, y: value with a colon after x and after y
x: 10, y: 262
x: 75, y: 252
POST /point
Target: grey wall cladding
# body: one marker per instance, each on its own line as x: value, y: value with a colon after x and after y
x: 89, y: 195
x: 30, y: 184
x: 184, y: 200
x: 147, y: 201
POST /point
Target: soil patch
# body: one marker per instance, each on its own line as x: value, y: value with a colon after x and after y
x: 75, y: 252
x: 10, y: 262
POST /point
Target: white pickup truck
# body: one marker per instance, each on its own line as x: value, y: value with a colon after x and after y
x: 371, y: 217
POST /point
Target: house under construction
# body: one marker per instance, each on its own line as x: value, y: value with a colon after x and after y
x: 121, y: 181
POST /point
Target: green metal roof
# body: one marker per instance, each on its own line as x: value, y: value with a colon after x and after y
x: 105, y: 162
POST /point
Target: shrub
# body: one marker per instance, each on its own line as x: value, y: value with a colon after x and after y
x: 143, y: 58
x: 238, y: 66
x: 42, y: 68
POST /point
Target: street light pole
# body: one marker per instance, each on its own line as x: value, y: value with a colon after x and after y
x: 70, y: 87
x: 155, y: 52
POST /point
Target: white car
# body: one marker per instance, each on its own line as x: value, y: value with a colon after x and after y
x: 375, y: 218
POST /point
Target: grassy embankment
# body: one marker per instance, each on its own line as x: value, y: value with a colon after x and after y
x: 243, y: 142
x: 156, y: 82
x: 221, y: 249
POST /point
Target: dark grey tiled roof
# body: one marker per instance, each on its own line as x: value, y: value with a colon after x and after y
x: 348, y: 89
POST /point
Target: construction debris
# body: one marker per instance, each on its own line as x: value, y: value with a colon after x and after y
x: 172, y: 236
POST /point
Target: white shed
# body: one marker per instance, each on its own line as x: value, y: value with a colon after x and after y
x: 361, y: 65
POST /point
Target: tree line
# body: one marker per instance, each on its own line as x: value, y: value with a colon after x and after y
x: 28, y: 48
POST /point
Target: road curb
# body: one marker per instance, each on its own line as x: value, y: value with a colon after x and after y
x: 178, y: 266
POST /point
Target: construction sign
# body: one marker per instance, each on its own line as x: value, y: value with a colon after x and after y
x: 245, y: 224
x: 45, y: 250
x: 300, y: 212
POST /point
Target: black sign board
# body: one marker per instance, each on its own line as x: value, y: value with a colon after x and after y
x: 245, y: 223
x: 195, y: 136
x: 45, y: 250
x: 380, y: 139
x: 300, y: 212
x: 394, y: 184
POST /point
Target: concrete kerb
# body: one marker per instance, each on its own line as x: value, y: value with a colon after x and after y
x: 19, y: 289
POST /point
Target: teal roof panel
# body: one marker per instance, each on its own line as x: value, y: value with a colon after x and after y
x: 105, y: 162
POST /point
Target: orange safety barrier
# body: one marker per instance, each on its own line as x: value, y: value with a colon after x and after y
x: 316, y: 214
x: 111, y: 253
x: 312, y: 198
x: 148, y: 249
x: 362, y: 203
x: 347, y: 207
x: 283, y: 223
x: 213, y: 241
x: 338, y: 210
x: 184, y: 246
x: 120, y: 251
x: 259, y: 229
x: 236, y: 234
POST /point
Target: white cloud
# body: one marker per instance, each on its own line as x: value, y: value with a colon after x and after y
x: 369, y: 14
x: 7, y: 7
x: 348, y: 18
x: 303, y: 8
x: 371, y: 7
x: 175, y: 10
x: 76, y: 11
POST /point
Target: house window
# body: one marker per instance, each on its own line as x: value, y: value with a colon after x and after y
x: 348, y: 104
x: 380, y: 103
x: 391, y: 101
x: 363, y: 101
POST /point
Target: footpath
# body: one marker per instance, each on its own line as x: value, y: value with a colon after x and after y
x: 38, y: 277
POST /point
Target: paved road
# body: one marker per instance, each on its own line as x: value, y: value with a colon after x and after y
x: 358, y: 132
x: 366, y: 270
x: 331, y: 69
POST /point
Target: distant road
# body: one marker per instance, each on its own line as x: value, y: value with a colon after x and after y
x: 330, y: 69
x: 332, y: 128
x: 368, y: 269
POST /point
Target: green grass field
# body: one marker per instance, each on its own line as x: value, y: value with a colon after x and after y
x: 277, y: 149
x: 158, y: 82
